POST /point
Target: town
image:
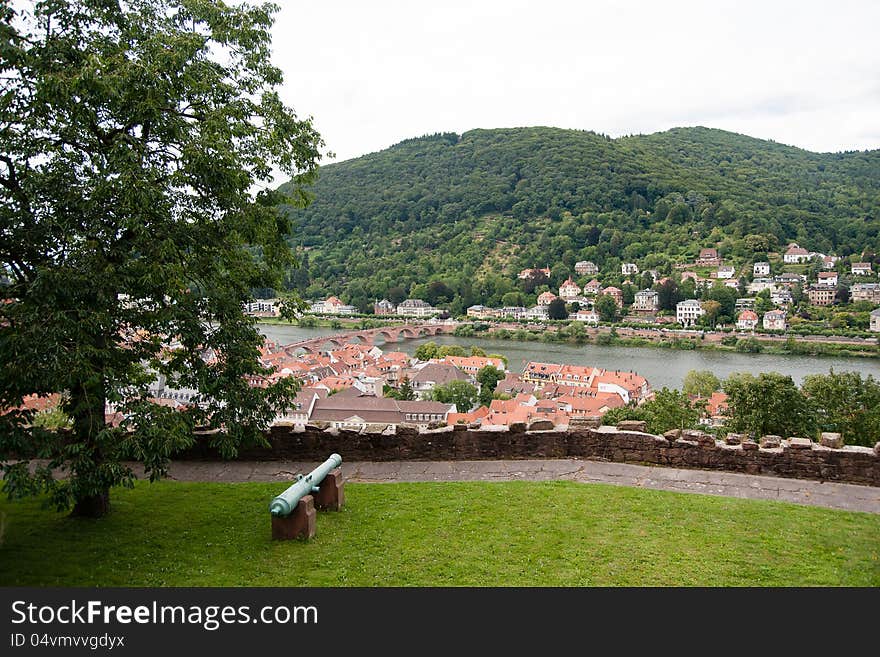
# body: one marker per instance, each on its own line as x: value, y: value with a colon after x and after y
x: 799, y: 290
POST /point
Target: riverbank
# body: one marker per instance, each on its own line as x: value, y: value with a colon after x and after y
x: 680, y: 340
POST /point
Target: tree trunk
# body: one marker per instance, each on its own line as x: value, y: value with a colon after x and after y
x: 93, y: 506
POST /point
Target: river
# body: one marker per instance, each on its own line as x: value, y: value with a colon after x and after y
x: 662, y: 367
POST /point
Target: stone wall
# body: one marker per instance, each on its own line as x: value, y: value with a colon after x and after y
x: 690, y: 449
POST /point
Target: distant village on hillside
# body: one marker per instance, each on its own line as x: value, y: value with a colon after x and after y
x: 757, y: 295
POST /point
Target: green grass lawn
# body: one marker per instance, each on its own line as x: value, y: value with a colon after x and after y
x: 433, y: 534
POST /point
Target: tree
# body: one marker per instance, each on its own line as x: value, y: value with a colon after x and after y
x: 767, y: 404
x: 458, y: 392
x: 711, y: 309
x: 670, y: 409
x: 606, y: 306
x: 701, y: 383
x: 132, y: 139
x: 406, y: 392
x: 846, y: 403
x: 426, y: 351
x: 488, y: 377
x: 668, y: 295
x: 556, y: 309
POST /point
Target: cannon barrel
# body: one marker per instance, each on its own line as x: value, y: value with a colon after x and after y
x: 287, y: 501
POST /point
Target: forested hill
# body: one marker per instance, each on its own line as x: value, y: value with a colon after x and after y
x: 472, y: 210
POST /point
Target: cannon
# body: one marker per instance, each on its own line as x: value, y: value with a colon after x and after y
x: 293, y: 511
x: 304, y: 485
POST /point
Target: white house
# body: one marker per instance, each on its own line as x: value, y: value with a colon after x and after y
x: 586, y: 268
x: 875, y: 320
x: 861, y: 268
x: 588, y: 316
x: 688, y: 312
x: 569, y: 289
x: 646, y: 301
x: 761, y: 284
x: 761, y: 269
x: 538, y: 312
x: 747, y: 320
x: 795, y: 254
x: 781, y: 297
x: 774, y: 320
x: 416, y: 308
x: 828, y: 278
x: 628, y: 268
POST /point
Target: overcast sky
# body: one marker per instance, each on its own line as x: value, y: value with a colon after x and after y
x: 372, y: 73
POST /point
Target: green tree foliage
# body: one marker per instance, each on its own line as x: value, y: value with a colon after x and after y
x: 768, y: 404
x: 670, y: 409
x: 606, y: 307
x: 556, y: 309
x: 132, y: 138
x: 427, y: 351
x: 404, y: 393
x: 460, y: 393
x: 668, y: 295
x: 846, y: 403
x: 701, y: 383
x: 488, y: 377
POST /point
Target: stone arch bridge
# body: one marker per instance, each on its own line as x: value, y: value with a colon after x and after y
x: 368, y: 337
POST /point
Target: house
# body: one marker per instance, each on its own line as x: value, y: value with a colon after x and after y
x: 774, y: 320
x: 416, y: 308
x: 795, y: 254
x: 473, y: 364
x: 616, y: 294
x: 761, y: 284
x: 725, y: 272
x: 384, y: 307
x: 569, y: 289
x: 861, y: 269
x: 534, y: 273
x: 708, y: 258
x: 481, y: 312
x: 782, y: 297
x: 592, y: 287
x: 539, y: 312
x: 646, y: 301
x: 875, y: 320
x: 358, y: 412
x: 430, y: 375
x: 688, y: 312
x: 744, y: 303
x: 790, y: 279
x: 829, y: 261
x: 332, y: 306
x: 586, y: 268
x: 821, y: 295
x: 628, y: 268
x: 262, y: 308
x: 589, y: 407
x: 761, y: 269
x: 865, y: 292
x: 512, y: 312
x: 828, y: 278
x: 747, y: 320
x: 716, y: 410
x: 546, y: 298
x: 588, y: 316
